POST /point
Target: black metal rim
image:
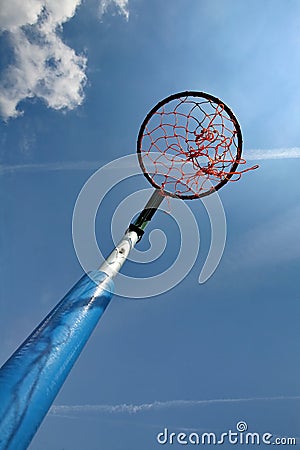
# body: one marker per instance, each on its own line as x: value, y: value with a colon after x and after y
x: 207, y: 97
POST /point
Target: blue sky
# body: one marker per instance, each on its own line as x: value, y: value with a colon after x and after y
x: 236, y: 336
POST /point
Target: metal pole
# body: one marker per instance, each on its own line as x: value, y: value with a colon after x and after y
x: 32, y: 377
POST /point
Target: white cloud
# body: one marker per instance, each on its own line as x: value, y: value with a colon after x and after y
x: 44, y: 66
x: 120, y: 5
x: 15, y: 13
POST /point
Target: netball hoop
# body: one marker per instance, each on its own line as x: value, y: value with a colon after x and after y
x: 189, y: 146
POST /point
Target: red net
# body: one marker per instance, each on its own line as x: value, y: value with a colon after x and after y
x: 190, y: 145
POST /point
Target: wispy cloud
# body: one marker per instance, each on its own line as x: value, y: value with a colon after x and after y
x: 49, y: 167
x: 274, y: 153
x: 250, y: 155
x: 63, y: 410
x: 121, y: 6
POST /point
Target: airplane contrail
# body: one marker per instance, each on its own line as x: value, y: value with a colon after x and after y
x: 274, y: 153
x: 49, y: 167
x: 61, y: 410
x: 250, y: 155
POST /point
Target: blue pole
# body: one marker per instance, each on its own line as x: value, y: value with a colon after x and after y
x: 33, y: 375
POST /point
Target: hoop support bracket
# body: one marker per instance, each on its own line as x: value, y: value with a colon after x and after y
x: 140, y: 223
